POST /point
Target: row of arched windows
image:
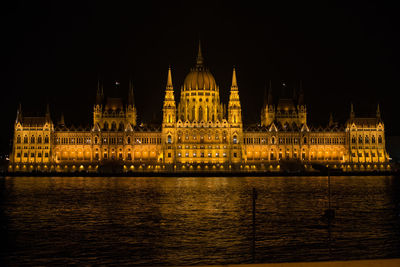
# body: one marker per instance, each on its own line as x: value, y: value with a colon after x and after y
x: 366, y: 139
x: 33, y: 139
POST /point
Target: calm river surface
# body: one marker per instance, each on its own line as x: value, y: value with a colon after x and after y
x: 187, y: 221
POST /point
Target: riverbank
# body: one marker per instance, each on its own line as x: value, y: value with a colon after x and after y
x: 203, y: 174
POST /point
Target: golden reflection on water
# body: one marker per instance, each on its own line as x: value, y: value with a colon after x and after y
x: 206, y: 220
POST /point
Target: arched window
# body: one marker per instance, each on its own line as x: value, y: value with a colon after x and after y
x: 273, y: 140
x: 32, y: 139
x: 105, y: 126
x: 200, y: 113
x: 272, y: 155
x: 113, y: 126
x: 46, y: 139
x: 224, y: 137
x: 95, y: 140
x: 360, y: 139
x: 373, y: 139
x: 353, y: 140
x: 25, y: 139
x: 128, y: 140
x: 39, y: 139
x: 193, y: 113
x: 367, y: 139
x: 235, y: 141
x: 169, y: 139
x: 18, y: 139
x: 380, y: 140
x: 305, y: 140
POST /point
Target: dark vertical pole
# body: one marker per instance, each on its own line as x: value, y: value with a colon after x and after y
x: 254, y: 225
x: 329, y: 189
x: 329, y: 217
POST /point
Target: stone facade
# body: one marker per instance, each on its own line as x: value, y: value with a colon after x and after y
x: 200, y: 133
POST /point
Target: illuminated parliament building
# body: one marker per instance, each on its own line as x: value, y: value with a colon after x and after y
x: 198, y: 133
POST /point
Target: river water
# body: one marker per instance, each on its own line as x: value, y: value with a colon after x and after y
x: 188, y: 221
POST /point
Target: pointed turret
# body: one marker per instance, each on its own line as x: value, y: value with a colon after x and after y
x: 200, y: 59
x: 169, y: 109
x: 330, y: 123
x: 301, y: 106
x: 99, y: 94
x: 234, y: 81
x: 352, y: 114
x: 62, y: 122
x: 19, y: 113
x: 169, y: 80
x: 131, y: 114
x: 378, y: 112
x: 48, y: 117
x: 168, y: 121
x: 268, y: 112
x: 234, y: 107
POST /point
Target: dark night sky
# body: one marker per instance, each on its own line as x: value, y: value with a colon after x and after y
x: 55, y: 51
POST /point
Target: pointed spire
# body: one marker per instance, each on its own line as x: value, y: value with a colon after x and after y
x: 234, y: 81
x: 99, y: 94
x: 169, y: 80
x: 62, y: 122
x: 352, y: 115
x: 330, y: 120
x: 19, y: 113
x: 378, y: 112
x: 200, y: 59
x: 169, y: 91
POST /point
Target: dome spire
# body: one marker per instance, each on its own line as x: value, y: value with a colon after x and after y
x: 234, y: 81
x: 200, y: 59
x: 169, y: 80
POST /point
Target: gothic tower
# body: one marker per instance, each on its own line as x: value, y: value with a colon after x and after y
x: 268, y: 111
x: 98, y: 107
x: 234, y: 108
x: 301, y: 107
x: 235, y: 121
x: 169, y: 121
x: 131, y: 113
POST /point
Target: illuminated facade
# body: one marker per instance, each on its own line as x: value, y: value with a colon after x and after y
x: 200, y: 133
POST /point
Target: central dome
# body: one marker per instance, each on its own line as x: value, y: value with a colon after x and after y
x: 199, y: 77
